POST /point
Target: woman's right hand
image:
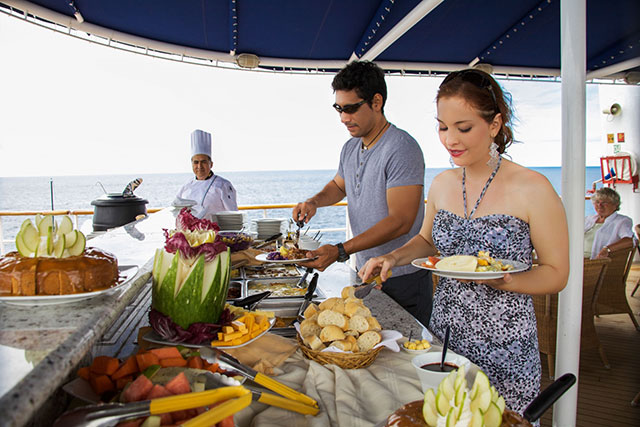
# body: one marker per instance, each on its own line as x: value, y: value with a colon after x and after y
x: 378, y: 265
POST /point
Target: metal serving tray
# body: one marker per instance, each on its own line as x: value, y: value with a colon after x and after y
x: 279, y: 271
x: 261, y: 285
x: 236, y: 290
x: 283, y: 309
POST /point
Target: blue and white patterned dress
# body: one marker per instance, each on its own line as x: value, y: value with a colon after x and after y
x: 494, y: 329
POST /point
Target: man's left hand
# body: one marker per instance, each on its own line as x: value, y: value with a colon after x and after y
x: 327, y: 255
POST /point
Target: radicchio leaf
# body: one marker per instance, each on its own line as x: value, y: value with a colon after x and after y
x: 178, y: 242
x: 197, y: 333
x: 186, y: 221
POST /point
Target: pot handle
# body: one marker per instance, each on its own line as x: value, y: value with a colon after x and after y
x: 548, y: 396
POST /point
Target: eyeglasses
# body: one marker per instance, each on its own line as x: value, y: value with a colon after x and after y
x: 474, y: 77
x: 349, y: 108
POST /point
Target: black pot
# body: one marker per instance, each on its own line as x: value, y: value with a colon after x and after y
x: 113, y: 210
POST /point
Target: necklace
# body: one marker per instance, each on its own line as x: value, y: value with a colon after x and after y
x: 375, y: 138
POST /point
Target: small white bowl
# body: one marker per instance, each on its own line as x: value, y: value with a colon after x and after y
x: 401, y: 342
x: 431, y: 379
x: 308, y: 244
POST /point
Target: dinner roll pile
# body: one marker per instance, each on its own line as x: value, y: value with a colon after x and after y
x: 345, y: 323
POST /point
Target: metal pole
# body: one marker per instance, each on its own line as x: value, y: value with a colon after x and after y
x: 573, y: 71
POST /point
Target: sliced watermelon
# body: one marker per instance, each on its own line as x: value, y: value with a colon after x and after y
x: 137, y: 390
x: 179, y: 384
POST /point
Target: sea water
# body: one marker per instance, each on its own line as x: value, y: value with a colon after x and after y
x: 253, y: 188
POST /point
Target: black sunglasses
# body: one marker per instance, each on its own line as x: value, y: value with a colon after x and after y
x: 349, y: 108
x: 474, y: 77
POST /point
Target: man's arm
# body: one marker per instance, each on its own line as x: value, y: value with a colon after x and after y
x: 331, y: 194
x: 403, y: 204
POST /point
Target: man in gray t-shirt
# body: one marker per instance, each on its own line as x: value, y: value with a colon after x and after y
x: 381, y: 173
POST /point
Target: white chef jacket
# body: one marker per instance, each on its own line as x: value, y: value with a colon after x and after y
x: 616, y: 226
x: 214, y: 194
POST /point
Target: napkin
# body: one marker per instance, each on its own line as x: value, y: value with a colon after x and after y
x: 265, y: 353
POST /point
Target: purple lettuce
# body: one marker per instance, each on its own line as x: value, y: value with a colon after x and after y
x: 178, y: 241
x: 186, y: 221
x: 197, y: 333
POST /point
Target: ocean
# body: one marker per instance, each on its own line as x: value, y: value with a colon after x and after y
x: 254, y: 188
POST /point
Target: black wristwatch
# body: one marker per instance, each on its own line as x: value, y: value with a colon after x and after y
x: 342, y: 254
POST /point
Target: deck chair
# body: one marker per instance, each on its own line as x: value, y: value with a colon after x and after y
x: 612, y: 298
x: 546, y: 308
x: 637, y: 228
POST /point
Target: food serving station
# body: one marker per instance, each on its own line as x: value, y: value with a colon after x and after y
x: 44, y: 342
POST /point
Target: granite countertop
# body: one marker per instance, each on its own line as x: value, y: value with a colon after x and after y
x: 41, y: 346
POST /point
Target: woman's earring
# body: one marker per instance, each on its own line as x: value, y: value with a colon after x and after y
x: 493, y: 152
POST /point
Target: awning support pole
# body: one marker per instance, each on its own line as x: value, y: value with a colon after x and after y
x: 573, y: 26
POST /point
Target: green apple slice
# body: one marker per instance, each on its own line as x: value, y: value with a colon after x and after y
x: 461, y: 394
x: 492, y: 416
x: 500, y: 403
x: 483, y: 382
x: 452, y: 419
x: 30, y: 235
x: 45, y: 223
x: 477, y: 420
x: 58, y: 245
x: 447, y: 386
x: 429, y: 411
x: 442, y: 403
x: 65, y: 226
x: 39, y: 218
x: 23, y: 249
x: 78, y: 246
x: 482, y: 401
x: 70, y: 238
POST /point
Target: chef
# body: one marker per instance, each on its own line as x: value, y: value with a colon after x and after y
x: 211, y: 193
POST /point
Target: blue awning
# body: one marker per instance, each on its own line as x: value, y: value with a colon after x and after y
x: 522, y: 36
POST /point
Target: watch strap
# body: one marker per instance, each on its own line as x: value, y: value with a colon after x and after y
x: 342, y: 254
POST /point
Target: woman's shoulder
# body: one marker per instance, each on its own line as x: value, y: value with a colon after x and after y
x: 525, y: 178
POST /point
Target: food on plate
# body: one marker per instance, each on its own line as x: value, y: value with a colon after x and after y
x: 454, y: 404
x: 242, y: 329
x: 236, y: 241
x: 190, y: 282
x: 417, y: 344
x: 287, y: 253
x: 468, y: 263
x: 150, y: 374
x: 344, y: 323
x: 283, y: 271
x: 52, y: 260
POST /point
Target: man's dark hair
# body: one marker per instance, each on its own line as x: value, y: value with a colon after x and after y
x: 365, y: 77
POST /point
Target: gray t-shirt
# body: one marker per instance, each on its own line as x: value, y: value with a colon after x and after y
x: 396, y: 160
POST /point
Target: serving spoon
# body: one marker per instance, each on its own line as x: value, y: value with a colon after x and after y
x: 445, y: 346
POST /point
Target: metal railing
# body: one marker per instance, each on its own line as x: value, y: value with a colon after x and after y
x: 76, y: 214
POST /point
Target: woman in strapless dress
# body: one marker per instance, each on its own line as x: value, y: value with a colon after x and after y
x: 488, y: 203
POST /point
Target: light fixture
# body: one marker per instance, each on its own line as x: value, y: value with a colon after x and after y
x: 247, y: 60
x: 483, y: 66
x: 632, y: 77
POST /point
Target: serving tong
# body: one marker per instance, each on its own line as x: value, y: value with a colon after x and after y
x: 234, y: 399
x: 228, y: 362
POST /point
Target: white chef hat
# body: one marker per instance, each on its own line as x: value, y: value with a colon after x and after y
x: 200, y: 143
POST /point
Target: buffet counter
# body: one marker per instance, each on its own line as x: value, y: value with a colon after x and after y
x: 41, y: 346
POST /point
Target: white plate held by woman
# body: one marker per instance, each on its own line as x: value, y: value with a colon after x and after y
x: 472, y: 275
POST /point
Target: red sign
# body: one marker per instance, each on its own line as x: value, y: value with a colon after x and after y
x: 621, y: 137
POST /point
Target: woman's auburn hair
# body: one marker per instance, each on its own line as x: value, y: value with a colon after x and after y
x: 481, y: 99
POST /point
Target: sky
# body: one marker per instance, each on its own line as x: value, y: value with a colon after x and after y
x: 70, y: 107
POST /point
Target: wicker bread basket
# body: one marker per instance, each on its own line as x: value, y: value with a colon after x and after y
x: 344, y: 360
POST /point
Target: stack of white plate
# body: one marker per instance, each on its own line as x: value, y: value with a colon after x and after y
x: 230, y: 220
x: 267, y: 227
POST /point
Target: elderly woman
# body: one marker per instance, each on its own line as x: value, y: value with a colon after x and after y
x: 607, y: 230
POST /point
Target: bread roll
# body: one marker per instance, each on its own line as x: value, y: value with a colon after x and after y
x: 309, y: 327
x: 353, y: 309
x: 352, y: 340
x: 368, y: 340
x: 310, y: 310
x: 358, y: 323
x: 329, y: 303
x: 354, y: 299
x: 348, y: 292
x: 374, y: 325
x: 331, y: 333
x: 330, y: 317
x: 352, y: 333
x: 343, y: 345
x: 314, y: 317
x: 313, y: 342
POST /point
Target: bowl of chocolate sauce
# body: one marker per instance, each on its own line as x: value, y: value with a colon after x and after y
x: 428, y: 369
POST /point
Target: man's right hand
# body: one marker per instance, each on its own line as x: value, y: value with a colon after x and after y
x: 304, y: 211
